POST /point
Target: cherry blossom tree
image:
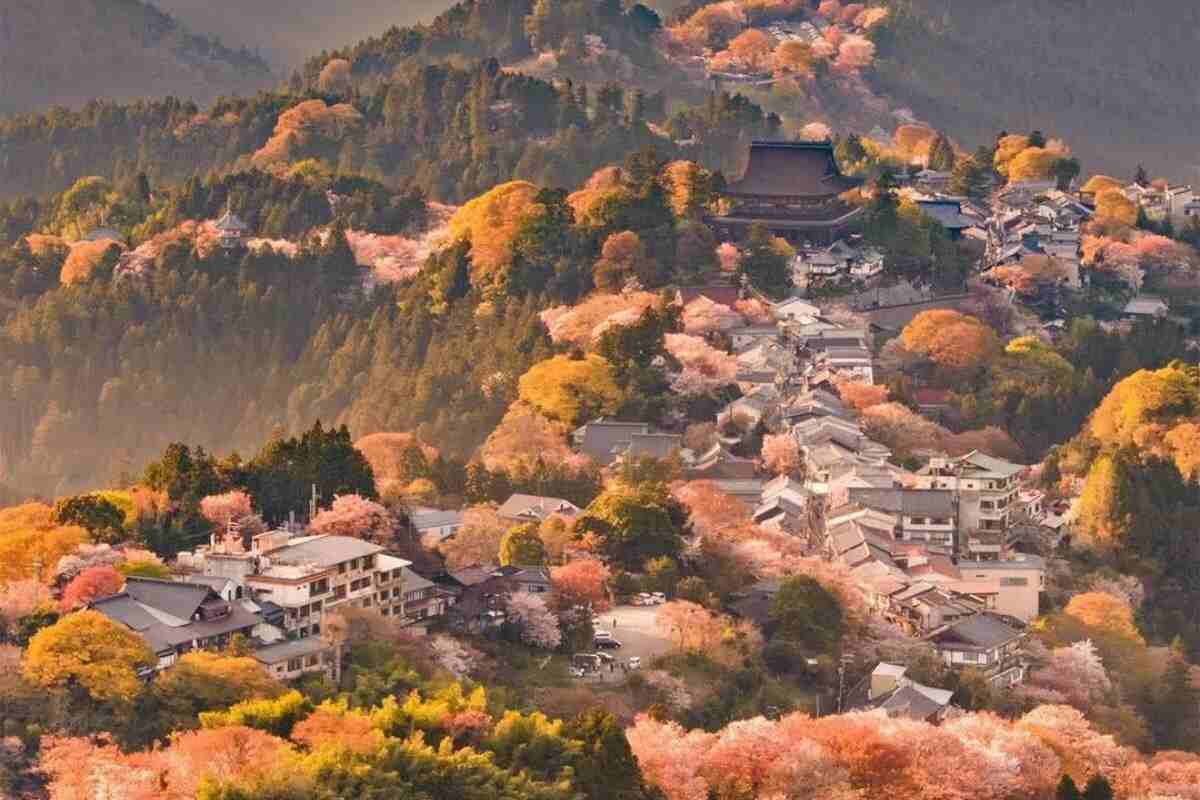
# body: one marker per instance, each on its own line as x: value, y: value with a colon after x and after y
x: 1077, y: 673
x: 670, y: 757
x: 1083, y: 750
x: 539, y: 626
x: 816, y: 132
x: 704, y: 368
x: 354, y: 515
x: 22, y: 598
x: 221, y: 509
x: 457, y: 658
x: 703, y: 316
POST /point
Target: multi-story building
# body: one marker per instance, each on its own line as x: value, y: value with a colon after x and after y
x: 987, y: 642
x: 307, y: 576
x: 985, y: 489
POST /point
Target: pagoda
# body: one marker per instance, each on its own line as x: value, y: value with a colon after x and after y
x: 794, y: 190
x: 230, y: 229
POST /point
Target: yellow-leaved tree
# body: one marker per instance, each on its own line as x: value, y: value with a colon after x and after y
x: 1115, y: 209
x: 31, y: 542
x: 1033, y: 164
x: 571, y: 390
x: 1147, y: 397
x: 490, y: 222
x: 1007, y: 149
x: 88, y: 650
x: 951, y: 339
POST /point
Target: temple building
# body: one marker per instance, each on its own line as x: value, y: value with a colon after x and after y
x: 230, y: 229
x: 793, y: 189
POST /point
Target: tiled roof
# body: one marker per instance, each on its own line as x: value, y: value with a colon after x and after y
x: 322, y: 551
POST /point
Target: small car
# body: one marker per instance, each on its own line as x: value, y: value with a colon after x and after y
x: 606, y: 644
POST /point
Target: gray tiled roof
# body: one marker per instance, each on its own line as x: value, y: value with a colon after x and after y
x: 296, y: 648
x: 979, y: 631
x: 910, y: 502
x: 603, y: 440
x: 423, y: 520
x: 324, y: 551
x: 173, y: 597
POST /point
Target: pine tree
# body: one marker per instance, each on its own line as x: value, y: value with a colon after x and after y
x: 1067, y: 790
x: 763, y: 265
x: 1098, y: 788
x: 941, y: 154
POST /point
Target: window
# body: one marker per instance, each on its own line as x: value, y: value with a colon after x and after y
x: 918, y: 520
x: 342, y: 568
x: 318, y: 587
x: 396, y: 573
x: 385, y: 611
x: 339, y: 592
x: 366, y: 602
x: 368, y: 562
x: 310, y: 661
x: 294, y: 664
x: 316, y: 629
x: 316, y: 606
x: 1014, y: 581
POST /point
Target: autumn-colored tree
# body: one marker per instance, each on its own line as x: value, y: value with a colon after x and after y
x: 1033, y: 164
x: 477, y: 541
x: 202, y: 681
x: 1114, y: 209
x: 522, y: 432
x: 1145, y: 398
x: 91, y: 584
x: 490, y: 223
x: 1102, y: 519
x: 31, y: 542
x: 753, y: 48
x: 793, y: 57
x: 950, y: 338
x: 1105, y: 612
x: 582, y: 324
x: 571, y: 390
x: 333, y: 723
x: 1008, y: 148
x: 861, y: 396
x: 781, y: 454
x: 583, y: 581
x: 89, y: 650
x: 522, y: 546
x: 335, y: 76
x: 396, y: 458
x: 356, y: 516
x: 855, y: 52
x: 1099, y: 183
x: 622, y: 258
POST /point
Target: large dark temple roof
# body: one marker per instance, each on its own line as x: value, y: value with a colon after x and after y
x: 792, y: 169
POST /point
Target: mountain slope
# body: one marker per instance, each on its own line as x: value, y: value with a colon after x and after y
x: 1116, y: 79
x: 66, y: 52
x: 288, y: 31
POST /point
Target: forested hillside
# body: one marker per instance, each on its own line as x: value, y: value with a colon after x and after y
x: 1116, y: 79
x: 67, y: 52
x: 289, y: 31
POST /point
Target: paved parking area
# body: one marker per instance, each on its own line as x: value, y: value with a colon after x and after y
x: 634, y: 628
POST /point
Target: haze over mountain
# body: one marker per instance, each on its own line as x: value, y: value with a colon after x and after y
x: 288, y: 31
x: 1116, y: 79
x: 66, y: 52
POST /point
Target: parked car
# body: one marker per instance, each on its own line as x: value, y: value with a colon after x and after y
x: 606, y: 644
x: 600, y: 633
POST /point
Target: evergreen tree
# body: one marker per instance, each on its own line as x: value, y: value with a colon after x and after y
x: 764, y: 265
x: 1098, y: 788
x: 941, y: 154
x: 1067, y: 790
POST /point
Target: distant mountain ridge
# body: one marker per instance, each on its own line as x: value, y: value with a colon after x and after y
x: 1117, y: 80
x: 67, y: 52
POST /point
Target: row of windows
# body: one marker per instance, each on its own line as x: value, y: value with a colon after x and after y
x: 361, y: 583
x: 366, y: 562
